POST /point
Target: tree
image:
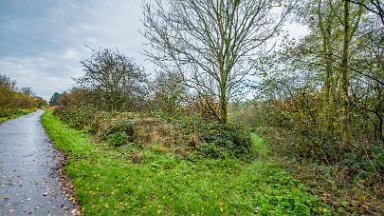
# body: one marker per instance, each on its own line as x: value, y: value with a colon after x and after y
x: 22, y: 101
x: 169, y: 92
x: 7, y: 83
x: 55, y: 99
x: 211, y: 44
x: 40, y: 101
x: 6, y: 94
x: 368, y: 66
x: 27, y: 90
x: 7, y: 87
x: 349, y: 30
x: 11, y: 100
x: 327, y: 25
x: 118, y: 81
x: 374, y: 6
x: 345, y: 137
x: 329, y: 49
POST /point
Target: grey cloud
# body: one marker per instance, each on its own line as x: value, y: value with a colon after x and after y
x: 44, y: 40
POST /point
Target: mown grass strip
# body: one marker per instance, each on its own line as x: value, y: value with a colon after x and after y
x: 106, y: 182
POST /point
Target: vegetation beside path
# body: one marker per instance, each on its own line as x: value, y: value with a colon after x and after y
x: 16, y: 114
x: 15, y: 102
x: 147, y: 181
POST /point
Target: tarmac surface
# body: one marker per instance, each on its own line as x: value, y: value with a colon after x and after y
x: 29, y: 181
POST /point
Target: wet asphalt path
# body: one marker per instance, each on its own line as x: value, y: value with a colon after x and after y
x: 28, y: 181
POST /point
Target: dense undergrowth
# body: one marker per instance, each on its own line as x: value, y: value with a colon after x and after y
x: 150, y: 180
x: 182, y: 135
x: 350, y: 179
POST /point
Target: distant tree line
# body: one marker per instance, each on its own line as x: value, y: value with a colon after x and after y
x: 12, y: 99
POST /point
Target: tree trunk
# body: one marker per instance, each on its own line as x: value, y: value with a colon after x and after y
x: 345, y: 129
x: 325, y: 33
x: 331, y: 95
x: 381, y: 128
x: 223, y: 106
x: 328, y: 94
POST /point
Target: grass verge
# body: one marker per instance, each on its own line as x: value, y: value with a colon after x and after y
x: 18, y: 113
x: 134, y: 181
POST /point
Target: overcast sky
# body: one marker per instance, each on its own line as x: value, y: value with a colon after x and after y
x: 43, y: 41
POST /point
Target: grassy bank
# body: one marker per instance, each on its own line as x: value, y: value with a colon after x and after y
x: 17, y: 114
x: 133, y: 181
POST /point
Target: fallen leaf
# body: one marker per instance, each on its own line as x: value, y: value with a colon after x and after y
x: 72, y: 199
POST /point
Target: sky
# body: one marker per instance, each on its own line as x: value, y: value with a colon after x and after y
x: 43, y: 41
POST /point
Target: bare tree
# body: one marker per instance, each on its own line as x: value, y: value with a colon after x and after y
x: 212, y: 43
x: 7, y: 83
x: 374, y: 6
x: 27, y: 90
x: 115, y: 79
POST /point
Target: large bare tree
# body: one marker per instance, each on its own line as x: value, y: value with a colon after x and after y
x: 212, y: 43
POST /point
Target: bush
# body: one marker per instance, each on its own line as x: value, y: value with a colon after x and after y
x: 120, y: 132
x: 180, y: 135
x: 221, y: 139
x: 78, y: 117
x: 117, y: 138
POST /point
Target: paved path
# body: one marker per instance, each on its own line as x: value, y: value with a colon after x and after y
x: 28, y: 181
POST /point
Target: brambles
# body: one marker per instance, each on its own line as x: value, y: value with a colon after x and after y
x: 145, y: 130
x: 219, y: 140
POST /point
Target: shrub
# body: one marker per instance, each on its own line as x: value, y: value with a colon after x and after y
x: 117, y: 138
x: 229, y: 139
x: 179, y: 135
x: 120, y: 132
x: 78, y: 117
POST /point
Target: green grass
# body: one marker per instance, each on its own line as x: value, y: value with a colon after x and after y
x: 106, y: 182
x: 17, y: 114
